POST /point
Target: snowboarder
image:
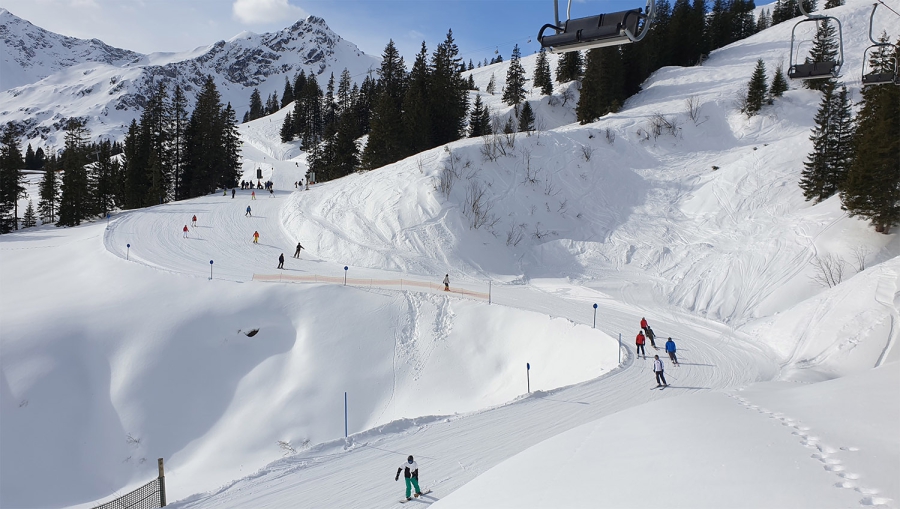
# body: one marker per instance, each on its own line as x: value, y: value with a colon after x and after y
x: 644, y: 324
x: 670, y: 349
x: 256, y: 237
x: 658, y: 369
x: 639, y: 341
x: 185, y: 231
x: 194, y: 220
x: 281, y: 261
x: 252, y: 195
x: 297, y: 252
x: 411, y: 474
x: 248, y: 212
x: 232, y: 193
x: 651, y: 336
x: 446, y: 282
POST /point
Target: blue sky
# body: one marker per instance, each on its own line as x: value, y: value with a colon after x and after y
x: 479, y: 26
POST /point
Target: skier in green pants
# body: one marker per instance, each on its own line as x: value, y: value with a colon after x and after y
x: 411, y: 474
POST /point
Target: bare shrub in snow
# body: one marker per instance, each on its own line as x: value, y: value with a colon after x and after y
x: 538, y: 233
x: 587, y: 151
x: 740, y: 99
x: 693, y: 107
x: 828, y: 270
x: 448, y: 175
x: 659, y: 125
x: 568, y: 95
x: 477, y: 207
x: 420, y: 164
x: 610, y: 136
x: 563, y: 205
x: 287, y: 447
x: 515, y: 234
x: 861, y: 255
x: 531, y: 174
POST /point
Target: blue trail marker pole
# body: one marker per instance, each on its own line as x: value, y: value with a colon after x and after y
x: 345, y: 415
x: 210, y: 269
x: 595, y: 315
x: 127, y: 250
x: 528, y: 375
x: 346, y: 268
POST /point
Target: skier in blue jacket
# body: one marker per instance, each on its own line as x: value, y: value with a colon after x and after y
x: 670, y: 349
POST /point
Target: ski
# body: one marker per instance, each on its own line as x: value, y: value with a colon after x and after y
x: 417, y: 495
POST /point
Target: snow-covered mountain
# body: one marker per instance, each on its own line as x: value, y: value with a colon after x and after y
x: 49, y: 78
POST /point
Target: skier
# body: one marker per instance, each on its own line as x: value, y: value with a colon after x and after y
x: 256, y: 237
x: 248, y: 212
x: 651, y: 336
x: 271, y: 192
x: 185, y: 231
x: 447, y: 282
x: 297, y: 252
x: 194, y: 220
x: 232, y: 193
x: 639, y: 341
x: 252, y: 195
x: 411, y: 474
x: 281, y: 261
x: 658, y: 369
x: 670, y: 349
x: 644, y: 324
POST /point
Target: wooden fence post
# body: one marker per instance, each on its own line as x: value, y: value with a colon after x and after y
x: 162, y: 484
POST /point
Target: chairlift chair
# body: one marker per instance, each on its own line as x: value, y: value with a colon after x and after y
x: 815, y: 70
x: 613, y: 29
x: 885, y: 77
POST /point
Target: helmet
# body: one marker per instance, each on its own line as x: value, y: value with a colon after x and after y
x: 409, y: 459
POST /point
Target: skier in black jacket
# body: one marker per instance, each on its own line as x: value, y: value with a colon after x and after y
x: 411, y: 474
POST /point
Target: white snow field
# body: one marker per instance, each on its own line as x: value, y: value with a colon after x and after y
x: 122, y: 344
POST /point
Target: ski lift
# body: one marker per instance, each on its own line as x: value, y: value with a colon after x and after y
x: 884, y: 77
x: 816, y: 70
x: 613, y: 29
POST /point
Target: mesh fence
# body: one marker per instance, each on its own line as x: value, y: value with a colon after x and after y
x: 398, y: 284
x: 148, y: 496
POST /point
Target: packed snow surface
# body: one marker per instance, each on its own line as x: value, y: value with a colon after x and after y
x: 126, y: 342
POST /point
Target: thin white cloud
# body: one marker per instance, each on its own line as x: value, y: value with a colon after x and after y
x: 253, y: 12
x: 416, y: 35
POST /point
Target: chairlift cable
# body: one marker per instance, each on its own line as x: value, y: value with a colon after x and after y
x: 886, y: 6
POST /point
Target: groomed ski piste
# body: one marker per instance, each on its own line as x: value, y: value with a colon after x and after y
x: 122, y: 343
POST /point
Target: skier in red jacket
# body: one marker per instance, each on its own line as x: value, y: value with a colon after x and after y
x: 644, y: 324
x: 639, y: 341
x: 185, y: 230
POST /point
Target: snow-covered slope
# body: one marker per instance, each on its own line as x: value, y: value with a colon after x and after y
x: 117, y: 347
x: 53, y: 78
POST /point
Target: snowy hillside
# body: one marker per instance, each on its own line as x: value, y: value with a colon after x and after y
x: 70, y: 78
x: 127, y: 342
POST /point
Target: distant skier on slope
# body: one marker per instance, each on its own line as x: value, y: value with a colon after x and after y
x: 658, y: 369
x: 281, y: 261
x: 185, y: 231
x: 651, y: 336
x: 639, y: 341
x: 447, y: 282
x: 297, y: 252
x: 232, y: 193
x: 670, y: 349
x: 644, y: 324
x: 194, y: 220
x: 256, y: 237
x: 252, y: 195
x: 411, y: 475
x: 248, y: 212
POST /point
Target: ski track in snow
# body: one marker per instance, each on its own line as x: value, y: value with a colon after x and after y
x: 712, y: 358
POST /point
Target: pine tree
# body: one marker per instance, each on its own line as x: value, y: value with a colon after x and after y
x: 514, y: 93
x: 602, y: 88
x: 526, y: 118
x: 287, y: 129
x: 272, y: 104
x: 135, y: 175
x: 155, y: 137
x: 416, y: 116
x: 830, y: 4
x: 542, y: 78
x: 385, y: 144
x: 256, y: 105
x: 756, y: 90
x: 872, y: 187
x: 29, y: 158
x: 329, y: 109
x: 49, y: 193
x: 178, y: 120
x: 477, y: 125
x: 29, y: 220
x: 104, y: 175
x: 75, y: 200
x: 39, y: 159
x: 491, y: 86
x: 825, y: 49
x: 448, y: 96
x: 569, y: 67
x: 471, y: 66
x: 779, y: 83
x: 345, y: 95
x: 11, y: 180
x: 825, y: 169
x: 764, y: 21
x: 287, y: 97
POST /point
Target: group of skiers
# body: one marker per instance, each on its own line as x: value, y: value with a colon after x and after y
x: 296, y: 255
x: 658, y: 368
